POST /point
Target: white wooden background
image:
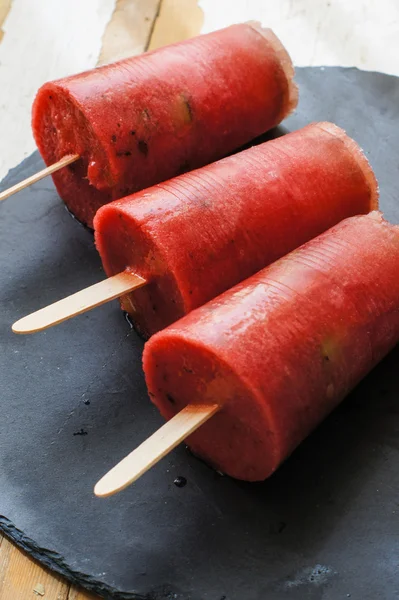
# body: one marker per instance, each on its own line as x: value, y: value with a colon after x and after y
x: 46, y: 39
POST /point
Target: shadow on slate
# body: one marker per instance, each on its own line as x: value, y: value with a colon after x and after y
x: 73, y: 402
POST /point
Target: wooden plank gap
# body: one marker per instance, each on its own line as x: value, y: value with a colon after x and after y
x: 177, y: 20
x: 129, y: 30
x: 153, y: 24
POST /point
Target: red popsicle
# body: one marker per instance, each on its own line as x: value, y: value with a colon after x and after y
x: 197, y: 235
x: 148, y: 118
x: 279, y: 351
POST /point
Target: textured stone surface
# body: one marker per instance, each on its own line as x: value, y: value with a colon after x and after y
x: 73, y: 402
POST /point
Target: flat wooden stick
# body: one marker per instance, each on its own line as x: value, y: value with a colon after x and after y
x: 135, y: 464
x: 86, y: 299
x: 66, y: 160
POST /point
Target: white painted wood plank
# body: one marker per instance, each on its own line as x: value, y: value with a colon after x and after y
x: 43, y: 40
x: 361, y: 33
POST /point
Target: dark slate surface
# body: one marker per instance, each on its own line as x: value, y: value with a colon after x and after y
x: 73, y: 402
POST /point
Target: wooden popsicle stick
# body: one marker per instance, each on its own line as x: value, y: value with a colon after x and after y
x: 145, y: 456
x: 63, y: 162
x: 84, y: 300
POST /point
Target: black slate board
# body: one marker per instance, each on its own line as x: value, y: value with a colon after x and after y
x: 73, y: 402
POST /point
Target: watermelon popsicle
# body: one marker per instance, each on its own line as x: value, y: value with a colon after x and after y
x: 197, y: 235
x: 279, y: 351
x: 148, y: 118
x: 176, y: 245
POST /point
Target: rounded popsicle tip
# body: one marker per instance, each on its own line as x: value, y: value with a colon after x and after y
x: 104, y: 487
x: 118, y: 478
x: 38, y: 321
x: 154, y: 448
x: 78, y: 303
x: 27, y: 325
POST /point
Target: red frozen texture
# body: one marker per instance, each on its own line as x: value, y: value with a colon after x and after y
x: 199, y: 234
x: 280, y: 350
x: 148, y: 118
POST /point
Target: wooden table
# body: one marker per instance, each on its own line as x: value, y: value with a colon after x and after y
x: 137, y: 25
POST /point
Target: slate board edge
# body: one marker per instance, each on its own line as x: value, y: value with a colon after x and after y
x: 48, y: 558
x: 55, y: 562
